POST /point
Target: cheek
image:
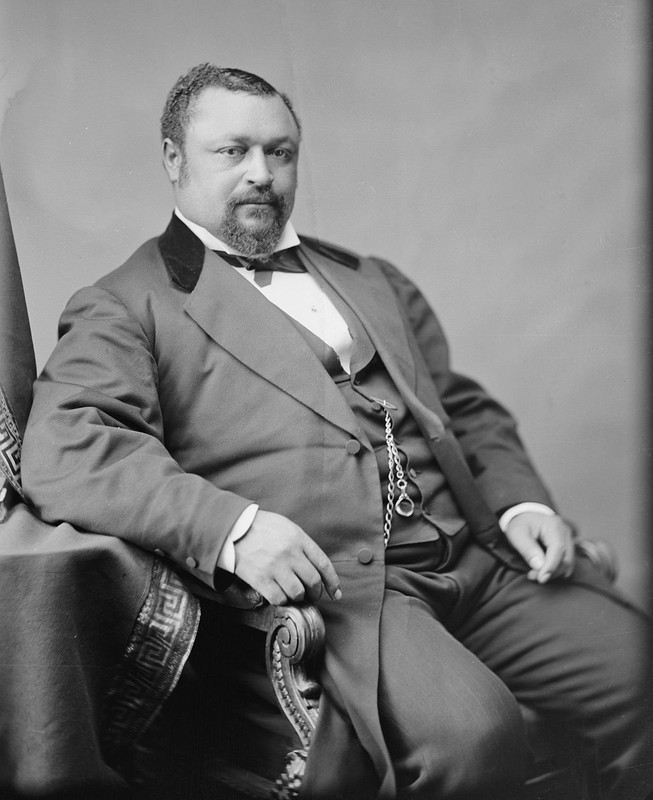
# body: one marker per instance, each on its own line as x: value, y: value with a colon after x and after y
x: 287, y: 184
x: 215, y: 191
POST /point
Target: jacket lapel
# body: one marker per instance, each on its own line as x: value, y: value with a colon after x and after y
x: 372, y: 300
x: 239, y: 319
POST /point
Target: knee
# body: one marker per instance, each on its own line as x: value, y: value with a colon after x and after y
x: 615, y: 696
x: 478, y: 753
x: 491, y: 756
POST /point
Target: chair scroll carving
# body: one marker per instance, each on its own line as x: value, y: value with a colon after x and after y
x: 294, y: 645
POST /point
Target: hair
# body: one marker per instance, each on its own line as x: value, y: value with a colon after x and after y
x: 178, y: 107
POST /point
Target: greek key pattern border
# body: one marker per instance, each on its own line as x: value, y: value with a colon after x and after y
x: 157, y: 650
x: 10, y: 444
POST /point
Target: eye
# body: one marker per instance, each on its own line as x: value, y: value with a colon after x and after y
x: 231, y: 152
x: 281, y: 153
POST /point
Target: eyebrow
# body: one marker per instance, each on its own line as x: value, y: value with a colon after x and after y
x: 246, y: 140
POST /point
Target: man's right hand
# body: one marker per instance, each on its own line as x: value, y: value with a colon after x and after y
x: 282, y: 563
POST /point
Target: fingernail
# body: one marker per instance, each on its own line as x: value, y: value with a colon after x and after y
x: 545, y: 577
x: 337, y: 595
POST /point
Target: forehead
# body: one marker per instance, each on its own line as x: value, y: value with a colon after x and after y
x: 219, y: 113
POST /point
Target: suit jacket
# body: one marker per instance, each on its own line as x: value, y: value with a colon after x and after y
x: 178, y: 394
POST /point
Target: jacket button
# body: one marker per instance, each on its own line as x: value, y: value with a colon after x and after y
x: 159, y: 552
x: 191, y: 562
x: 353, y: 446
x: 365, y: 555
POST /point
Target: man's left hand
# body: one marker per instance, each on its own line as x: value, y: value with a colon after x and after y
x: 546, y: 543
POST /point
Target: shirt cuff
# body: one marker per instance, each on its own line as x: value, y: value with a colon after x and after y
x: 227, y: 557
x: 521, y: 508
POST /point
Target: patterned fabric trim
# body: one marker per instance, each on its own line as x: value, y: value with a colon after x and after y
x: 10, y: 444
x: 158, y: 648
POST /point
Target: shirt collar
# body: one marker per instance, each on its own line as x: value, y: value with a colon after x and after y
x: 288, y: 237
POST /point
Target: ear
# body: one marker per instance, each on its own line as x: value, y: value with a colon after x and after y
x: 172, y: 159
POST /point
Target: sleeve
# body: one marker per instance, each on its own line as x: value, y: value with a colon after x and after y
x: 94, y: 452
x: 485, y: 430
x: 227, y: 557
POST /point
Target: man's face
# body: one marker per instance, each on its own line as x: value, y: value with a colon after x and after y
x: 237, y: 173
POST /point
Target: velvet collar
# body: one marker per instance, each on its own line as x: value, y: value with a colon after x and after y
x: 183, y: 253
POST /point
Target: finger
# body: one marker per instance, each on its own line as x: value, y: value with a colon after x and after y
x: 292, y: 588
x: 553, y: 559
x: 273, y: 593
x: 325, y: 568
x: 569, y: 561
x: 311, y: 580
x: 558, y: 540
x: 529, y: 550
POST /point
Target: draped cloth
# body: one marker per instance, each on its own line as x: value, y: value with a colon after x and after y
x: 94, y: 632
x: 17, y: 365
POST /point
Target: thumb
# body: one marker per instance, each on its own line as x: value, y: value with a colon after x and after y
x: 535, y: 559
x: 524, y: 543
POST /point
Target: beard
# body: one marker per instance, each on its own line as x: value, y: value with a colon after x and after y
x: 255, y: 242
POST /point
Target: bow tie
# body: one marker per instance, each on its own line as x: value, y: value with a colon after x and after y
x: 282, y: 261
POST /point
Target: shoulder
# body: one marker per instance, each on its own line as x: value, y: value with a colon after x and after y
x: 142, y: 268
x: 371, y: 267
x: 123, y: 298
x: 339, y: 254
x: 354, y: 260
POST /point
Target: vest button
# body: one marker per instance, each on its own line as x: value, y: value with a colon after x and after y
x: 376, y: 406
x: 191, y: 562
x: 365, y: 555
x: 159, y: 552
x: 352, y: 447
x: 412, y: 473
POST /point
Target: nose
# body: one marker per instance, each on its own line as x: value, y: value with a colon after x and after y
x: 258, y: 170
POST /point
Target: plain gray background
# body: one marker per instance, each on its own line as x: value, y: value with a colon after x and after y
x: 494, y: 150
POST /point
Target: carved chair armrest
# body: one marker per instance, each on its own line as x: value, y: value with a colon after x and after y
x: 295, y: 638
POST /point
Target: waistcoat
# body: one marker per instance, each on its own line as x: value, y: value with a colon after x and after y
x: 435, y: 510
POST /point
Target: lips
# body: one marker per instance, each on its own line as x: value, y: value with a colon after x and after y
x: 258, y: 201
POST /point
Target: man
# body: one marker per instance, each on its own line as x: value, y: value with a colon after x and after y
x: 241, y: 400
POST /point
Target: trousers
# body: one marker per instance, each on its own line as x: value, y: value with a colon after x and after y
x: 461, y: 644
x: 460, y: 648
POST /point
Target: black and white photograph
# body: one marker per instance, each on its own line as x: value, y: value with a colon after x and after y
x: 324, y: 400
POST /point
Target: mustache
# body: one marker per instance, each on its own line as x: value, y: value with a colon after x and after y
x: 266, y: 195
